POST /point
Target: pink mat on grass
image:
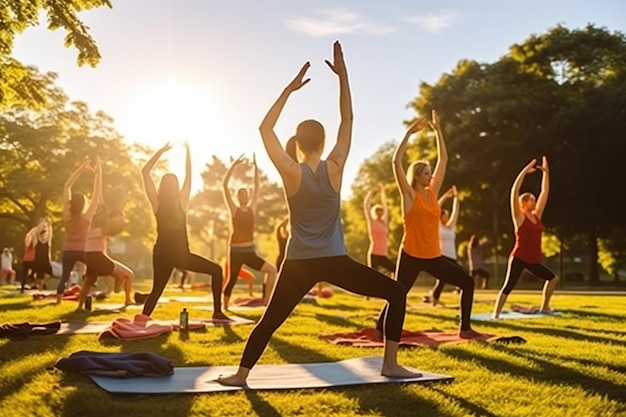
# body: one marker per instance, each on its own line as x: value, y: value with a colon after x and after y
x: 249, y: 301
x: 368, y: 338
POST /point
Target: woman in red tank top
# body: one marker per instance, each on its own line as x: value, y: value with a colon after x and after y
x: 526, y: 212
x: 242, y: 249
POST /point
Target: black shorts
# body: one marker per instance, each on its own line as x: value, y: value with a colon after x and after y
x: 98, y: 264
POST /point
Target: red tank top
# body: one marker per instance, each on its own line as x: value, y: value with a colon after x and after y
x: 243, y: 226
x: 528, y: 241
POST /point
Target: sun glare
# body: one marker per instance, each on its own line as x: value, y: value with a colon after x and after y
x: 177, y: 112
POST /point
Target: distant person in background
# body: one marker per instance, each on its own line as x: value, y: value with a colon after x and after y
x: 107, y: 221
x: 171, y: 249
x: 28, y: 260
x: 77, y: 220
x: 526, y: 212
x: 447, y: 239
x: 242, y: 249
x: 377, y: 217
x: 7, y: 273
x: 476, y: 260
x: 43, y: 246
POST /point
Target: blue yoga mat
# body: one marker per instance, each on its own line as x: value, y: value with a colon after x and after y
x: 358, y: 371
x: 511, y: 315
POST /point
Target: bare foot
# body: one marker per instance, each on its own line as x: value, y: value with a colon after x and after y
x: 232, y: 381
x: 470, y: 334
x: 218, y: 315
x: 397, y: 371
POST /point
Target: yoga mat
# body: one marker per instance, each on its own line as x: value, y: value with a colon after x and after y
x: 368, y: 338
x: 358, y: 371
x: 511, y: 315
x: 99, y: 327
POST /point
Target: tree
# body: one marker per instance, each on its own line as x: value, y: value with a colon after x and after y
x: 39, y: 150
x: 22, y: 84
x: 560, y: 94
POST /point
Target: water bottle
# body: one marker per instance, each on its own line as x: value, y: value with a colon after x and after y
x: 88, y: 303
x: 184, y: 319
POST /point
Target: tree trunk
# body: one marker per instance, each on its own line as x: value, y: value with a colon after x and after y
x: 593, y: 272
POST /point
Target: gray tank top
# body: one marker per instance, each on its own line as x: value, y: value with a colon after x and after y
x: 315, y: 217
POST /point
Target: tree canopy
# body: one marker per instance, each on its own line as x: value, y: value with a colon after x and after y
x: 23, y: 84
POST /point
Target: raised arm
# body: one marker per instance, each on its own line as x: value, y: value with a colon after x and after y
x: 383, y: 202
x: 96, y: 193
x: 256, y: 187
x: 339, y: 153
x: 185, y: 190
x: 442, y: 155
x: 287, y: 167
x: 67, y: 187
x: 146, y: 174
x: 516, y: 211
x: 545, y: 187
x: 407, y: 193
x: 454, y: 215
x: 228, y: 198
x: 367, y: 205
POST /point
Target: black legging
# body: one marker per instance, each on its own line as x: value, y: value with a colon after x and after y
x: 298, y: 276
x: 441, y: 268
x: 163, y: 266
x: 439, y: 284
x: 514, y: 271
x: 68, y: 260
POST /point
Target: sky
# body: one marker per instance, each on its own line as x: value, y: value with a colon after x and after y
x: 207, y: 71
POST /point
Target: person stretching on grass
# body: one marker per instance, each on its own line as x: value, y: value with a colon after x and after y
x: 171, y: 250
x: 526, y: 212
x: 77, y: 220
x: 316, y: 248
x: 447, y: 239
x: 242, y: 250
x: 421, y: 249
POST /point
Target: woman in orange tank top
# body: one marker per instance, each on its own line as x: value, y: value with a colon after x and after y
x: 420, y: 249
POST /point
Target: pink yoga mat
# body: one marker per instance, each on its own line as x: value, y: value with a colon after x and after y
x: 367, y: 338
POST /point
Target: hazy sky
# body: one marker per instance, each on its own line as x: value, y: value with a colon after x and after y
x: 207, y: 71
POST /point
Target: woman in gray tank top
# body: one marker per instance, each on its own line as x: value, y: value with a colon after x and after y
x: 316, y: 246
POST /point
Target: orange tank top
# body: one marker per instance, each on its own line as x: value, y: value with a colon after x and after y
x: 421, y: 227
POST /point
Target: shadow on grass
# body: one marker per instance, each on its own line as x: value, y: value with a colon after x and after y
x: 550, y: 372
x: 338, y: 320
x: 20, y: 351
x: 473, y: 409
x: 18, y: 305
x: 556, y: 332
x: 230, y: 336
x: 596, y: 315
x: 260, y: 406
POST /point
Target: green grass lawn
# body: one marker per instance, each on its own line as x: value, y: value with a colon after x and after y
x: 572, y: 365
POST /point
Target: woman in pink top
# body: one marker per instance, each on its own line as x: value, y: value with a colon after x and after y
x: 76, y: 221
x: 526, y: 212
x: 377, y: 217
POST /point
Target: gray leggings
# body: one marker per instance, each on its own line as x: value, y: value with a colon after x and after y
x: 298, y: 276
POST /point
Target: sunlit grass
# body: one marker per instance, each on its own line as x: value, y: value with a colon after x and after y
x: 572, y: 365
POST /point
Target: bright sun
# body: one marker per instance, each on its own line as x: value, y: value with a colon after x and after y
x: 173, y: 111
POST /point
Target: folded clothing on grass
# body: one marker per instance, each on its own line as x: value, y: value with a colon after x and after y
x: 142, y: 327
x: 24, y: 330
x: 119, y: 365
